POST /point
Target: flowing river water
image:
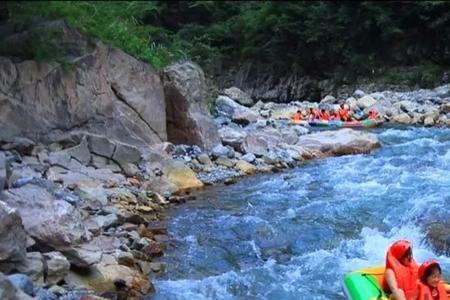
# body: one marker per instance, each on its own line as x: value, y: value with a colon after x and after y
x: 293, y: 235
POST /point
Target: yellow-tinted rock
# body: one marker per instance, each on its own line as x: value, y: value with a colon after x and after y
x: 245, y: 167
x: 182, y: 176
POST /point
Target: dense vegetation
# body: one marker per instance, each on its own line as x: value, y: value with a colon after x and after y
x: 322, y: 37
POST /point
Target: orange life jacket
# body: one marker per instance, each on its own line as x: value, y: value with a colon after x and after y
x: 314, y: 114
x: 406, y: 276
x: 297, y: 117
x: 344, y: 114
x: 373, y: 115
x: 425, y: 292
x: 324, y: 116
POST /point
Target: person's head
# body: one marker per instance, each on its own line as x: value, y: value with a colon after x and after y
x: 311, y: 109
x: 322, y: 110
x: 342, y: 105
x: 402, y: 251
x: 430, y: 273
x: 299, y: 112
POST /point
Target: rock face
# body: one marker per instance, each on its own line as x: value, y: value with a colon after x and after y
x: 12, y: 235
x: 105, y: 91
x: 188, y: 120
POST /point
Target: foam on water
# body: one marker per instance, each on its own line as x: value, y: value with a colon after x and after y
x: 294, y: 235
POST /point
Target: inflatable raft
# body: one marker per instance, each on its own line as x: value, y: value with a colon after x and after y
x: 365, y: 284
x: 368, y: 123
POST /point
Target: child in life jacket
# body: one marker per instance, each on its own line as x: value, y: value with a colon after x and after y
x: 401, y: 274
x: 431, y: 286
x: 324, y: 115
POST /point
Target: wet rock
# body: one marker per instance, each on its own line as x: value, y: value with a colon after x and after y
x: 239, y: 96
x: 12, y: 235
x: 48, y: 220
x: 22, y: 282
x: 340, y: 142
x: 43, y: 294
x: 182, y: 176
x: 438, y: 234
x: 57, y: 267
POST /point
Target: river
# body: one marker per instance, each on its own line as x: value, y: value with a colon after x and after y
x: 293, y: 235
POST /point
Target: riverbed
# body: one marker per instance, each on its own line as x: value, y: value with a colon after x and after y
x: 293, y: 235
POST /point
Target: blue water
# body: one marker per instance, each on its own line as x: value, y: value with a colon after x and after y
x: 293, y: 235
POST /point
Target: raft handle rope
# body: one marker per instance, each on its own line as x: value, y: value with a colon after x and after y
x: 380, y: 291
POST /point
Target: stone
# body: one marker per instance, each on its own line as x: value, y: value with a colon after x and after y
x: 340, y: 142
x: 2, y: 170
x: 186, y: 96
x: 100, y: 145
x: 21, y: 176
x: 12, y: 235
x: 244, y: 116
x: 124, y: 154
x: 49, y: 220
x: 80, y: 152
x: 245, y: 167
x: 59, y: 158
x: 225, y: 106
x: 232, y: 137
x: 403, y: 118
x: 22, y: 282
x: 260, y: 142
x: 366, y: 102
x: 126, y: 259
x: 99, y: 162
x: 131, y: 169
x: 32, y: 266
x: 239, y: 96
x: 429, y: 121
x: 43, y: 294
x: 358, y: 94
x: 7, y: 289
x: 226, y: 162
x: 249, y: 157
x: 92, y: 197
x: 182, y: 176
x: 219, y: 150
x: 57, y: 267
x: 329, y: 99
x: 204, y: 159
x: 22, y: 145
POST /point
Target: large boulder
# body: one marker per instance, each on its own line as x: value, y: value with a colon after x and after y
x: 2, y: 170
x: 366, y: 102
x: 188, y: 120
x: 105, y: 91
x: 12, y: 235
x: 52, y: 222
x: 239, y: 96
x: 260, y: 142
x: 341, y: 142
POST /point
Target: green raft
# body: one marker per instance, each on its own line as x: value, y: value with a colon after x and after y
x: 364, y: 284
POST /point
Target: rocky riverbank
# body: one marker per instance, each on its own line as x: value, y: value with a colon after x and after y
x: 91, y: 156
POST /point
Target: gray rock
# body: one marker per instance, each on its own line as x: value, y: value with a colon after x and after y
x: 232, y: 136
x: 12, y: 235
x: 96, y: 223
x: 329, y: 99
x: 366, y: 102
x: 80, y: 152
x: 92, y: 197
x: 188, y: 119
x: 219, y: 151
x: 22, y: 282
x: 204, y: 159
x: 47, y: 219
x: 238, y: 95
x: 226, y: 106
x: 22, y: 176
x: 2, y: 170
x: 130, y: 169
x: 100, y: 145
x: 226, y: 162
x: 99, y: 162
x: 32, y: 266
x: 57, y: 267
x: 60, y: 158
x: 7, y: 289
x: 244, y: 116
x: 125, y: 154
x: 43, y: 294
x: 358, y: 94
x: 249, y: 157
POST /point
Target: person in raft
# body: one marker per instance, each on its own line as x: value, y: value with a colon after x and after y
x: 297, y: 116
x: 313, y: 114
x: 373, y: 114
x: 401, y: 274
x: 431, y: 286
x: 324, y: 115
x: 344, y: 113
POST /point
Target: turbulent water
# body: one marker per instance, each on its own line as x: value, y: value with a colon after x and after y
x: 293, y: 235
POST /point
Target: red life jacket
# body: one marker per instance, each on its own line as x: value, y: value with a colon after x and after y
x: 406, y: 276
x: 373, y: 115
x: 314, y: 114
x: 344, y: 114
x: 425, y: 292
x: 297, y: 117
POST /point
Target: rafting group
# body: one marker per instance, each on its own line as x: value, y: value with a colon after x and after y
x: 400, y: 278
x: 341, y: 117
